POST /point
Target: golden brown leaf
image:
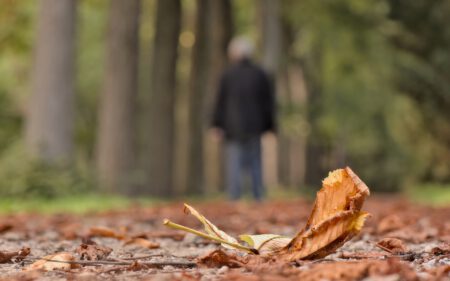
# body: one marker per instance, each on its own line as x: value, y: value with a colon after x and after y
x: 58, y: 261
x: 336, y: 217
x: 210, y: 228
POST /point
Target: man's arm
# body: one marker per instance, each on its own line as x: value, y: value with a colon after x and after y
x: 269, y: 102
x: 219, y: 110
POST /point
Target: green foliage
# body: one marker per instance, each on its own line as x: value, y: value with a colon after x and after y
x: 377, y: 73
x: 430, y: 194
x: 23, y: 177
x: 79, y: 204
x: 356, y: 112
x: 16, y: 34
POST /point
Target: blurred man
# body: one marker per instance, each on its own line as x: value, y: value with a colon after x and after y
x: 244, y: 110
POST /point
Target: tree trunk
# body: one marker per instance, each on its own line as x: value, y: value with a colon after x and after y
x: 49, y: 124
x: 197, y: 94
x: 316, y: 150
x: 116, y: 135
x: 159, y: 154
x: 219, y: 33
x: 271, y: 58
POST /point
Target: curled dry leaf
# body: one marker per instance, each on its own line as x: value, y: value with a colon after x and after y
x: 93, y: 252
x: 266, y: 243
x: 58, y: 261
x: 142, y: 242
x: 210, y: 228
x: 18, y: 255
x: 336, y: 218
x: 219, y: 258
x: 392, y: 245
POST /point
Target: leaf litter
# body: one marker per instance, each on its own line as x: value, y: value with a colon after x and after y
x: 335, y: 219
x: 76, y: 246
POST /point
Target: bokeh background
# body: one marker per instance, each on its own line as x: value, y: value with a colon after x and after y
x: 114, y: 97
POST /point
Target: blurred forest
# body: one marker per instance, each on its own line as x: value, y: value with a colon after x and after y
x: 115, y: 96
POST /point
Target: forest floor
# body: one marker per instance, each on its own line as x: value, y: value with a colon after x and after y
x: 133, y: 244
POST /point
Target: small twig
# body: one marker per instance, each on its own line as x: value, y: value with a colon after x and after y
x: 141, y: 257
x: 95, y: 263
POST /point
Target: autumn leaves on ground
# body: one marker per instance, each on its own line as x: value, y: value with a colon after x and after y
x: 344, y: 235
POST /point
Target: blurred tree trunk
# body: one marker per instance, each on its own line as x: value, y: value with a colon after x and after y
x: 49, y: 123
x: 159, y: 134
x: 297, y: 130
x: 269, y: 13
x: 287, y: 156
x: 197, y: 93
x: 316, y: 149
x: 219, y: 33
x: 271, y: 35
x: 116, y: 135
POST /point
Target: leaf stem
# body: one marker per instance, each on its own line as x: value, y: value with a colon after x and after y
x: 207, y: 236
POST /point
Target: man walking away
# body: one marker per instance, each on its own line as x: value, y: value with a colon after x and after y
x: 245, y: 109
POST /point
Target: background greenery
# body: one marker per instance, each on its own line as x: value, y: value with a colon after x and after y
x: 378, y: 71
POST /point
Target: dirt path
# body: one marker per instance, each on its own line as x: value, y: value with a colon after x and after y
x: 423, y: 232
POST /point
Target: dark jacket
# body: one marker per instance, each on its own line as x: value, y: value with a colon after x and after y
x: 245, y: 106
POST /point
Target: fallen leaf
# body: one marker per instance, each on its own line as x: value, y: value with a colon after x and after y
x: 19, y: 255
x: 93, y: 252
x: 143, y: 243
x: 219, y: 258
x: 105, y: 232
x: 443, y: 249
x: 392, y: 245
x: 210, y: 228
x: 5, y: 227
x: 336, y: 217
x: 266, y: 243
x: 58, y: 261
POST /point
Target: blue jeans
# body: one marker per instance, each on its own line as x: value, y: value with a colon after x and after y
x: 241, y: 156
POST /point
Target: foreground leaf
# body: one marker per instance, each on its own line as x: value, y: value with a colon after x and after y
x: 336, y: 217
x: 58, y: 261
x: 266, y: 243
x: 210, y: 228
x: 233, y: 245
x: 18, y: 255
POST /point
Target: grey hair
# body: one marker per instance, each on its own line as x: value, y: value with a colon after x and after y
x: 240, y: 48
